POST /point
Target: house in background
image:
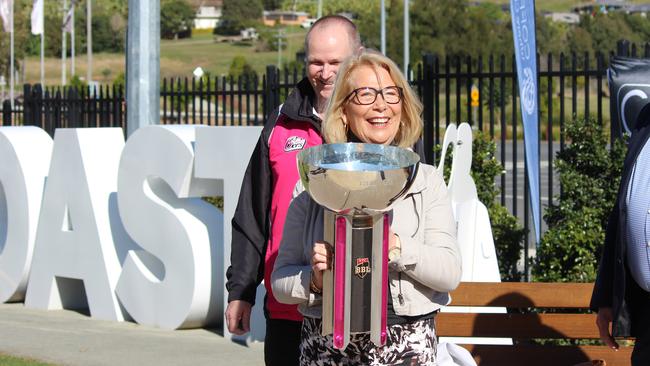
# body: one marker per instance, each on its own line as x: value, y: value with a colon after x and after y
x: 208, y: 13
x: 273, y: 17
x: 641, y: 9
x: 596, y: 6
x: 569, y: 18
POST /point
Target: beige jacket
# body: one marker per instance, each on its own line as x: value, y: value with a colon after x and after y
x: 430, y: 262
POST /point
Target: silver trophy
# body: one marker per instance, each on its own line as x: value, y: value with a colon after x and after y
x: 356, y: 183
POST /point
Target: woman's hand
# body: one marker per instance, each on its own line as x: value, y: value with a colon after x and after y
x: 321, y: 259
x: 394, y: 246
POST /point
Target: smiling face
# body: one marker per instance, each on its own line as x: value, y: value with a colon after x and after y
x: 378, y: 122
x: 329, y: 47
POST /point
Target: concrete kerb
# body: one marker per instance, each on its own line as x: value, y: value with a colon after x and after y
x: 67, y: 337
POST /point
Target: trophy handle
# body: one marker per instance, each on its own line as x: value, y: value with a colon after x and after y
x: 342, y: 258
x: 380, y: 240
x: 329, y: 230
x: 407, y: 186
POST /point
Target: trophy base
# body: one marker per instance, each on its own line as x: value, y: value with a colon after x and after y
x: 355, y: 290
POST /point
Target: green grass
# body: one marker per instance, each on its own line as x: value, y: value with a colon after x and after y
x: 6, y: 360
x: 180, y: 57
x: 177, y: 58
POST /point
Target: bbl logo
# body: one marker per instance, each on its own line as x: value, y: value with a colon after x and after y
x: 362, y: 268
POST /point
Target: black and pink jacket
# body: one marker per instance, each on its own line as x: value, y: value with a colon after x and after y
x: 264, y: 199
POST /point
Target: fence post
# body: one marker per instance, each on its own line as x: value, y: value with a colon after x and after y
x: 301, y: 56
x: 37, y: 104
x: 27, y: 105
x: 647, y: 50
x: 427, y: 113
x: 623, y: 48
x: 272, y: 92
x: 6, y: 113
x: 74, y: 111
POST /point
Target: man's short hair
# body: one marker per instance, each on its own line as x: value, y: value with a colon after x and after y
x: 337, y: 21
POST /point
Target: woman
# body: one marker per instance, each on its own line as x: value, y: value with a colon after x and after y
x: 373, y: 103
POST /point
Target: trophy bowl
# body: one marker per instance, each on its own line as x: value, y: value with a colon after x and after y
x: 357, y: 178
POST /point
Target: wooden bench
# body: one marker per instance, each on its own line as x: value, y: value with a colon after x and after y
x: 536, y: 311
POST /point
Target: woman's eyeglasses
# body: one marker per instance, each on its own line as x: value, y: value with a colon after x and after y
x: 368, y: 95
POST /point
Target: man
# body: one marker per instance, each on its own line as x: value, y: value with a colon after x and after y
x: 267, y: 189
x: 622, y: 290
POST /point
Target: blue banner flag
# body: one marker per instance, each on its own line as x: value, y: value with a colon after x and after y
x: 523, y: 31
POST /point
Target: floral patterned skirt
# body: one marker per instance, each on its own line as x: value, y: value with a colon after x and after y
x: 407, y: 344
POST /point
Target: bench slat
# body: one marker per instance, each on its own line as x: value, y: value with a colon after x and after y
x: 522, y: 326
x: 531, y: 355
x: 523, y: 294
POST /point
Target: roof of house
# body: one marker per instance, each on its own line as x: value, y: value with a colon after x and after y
x: 198, y: 3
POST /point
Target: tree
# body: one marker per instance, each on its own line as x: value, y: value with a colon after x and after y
x: 486, y: 30
x: 109, y: 31
x: 176, y: 19
x: 579, y: 41
x: 551, y: 36
x: 589, y: 174
x: 606, y: 29
x: 639, y: 25
x: 239, y: 14
x: 272, y: 4
x: 241, y: 68
x: 22, y: 9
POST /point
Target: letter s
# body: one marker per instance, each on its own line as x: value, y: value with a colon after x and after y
x: 156, y: 191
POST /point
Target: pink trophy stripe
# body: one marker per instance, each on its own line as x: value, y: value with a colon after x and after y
x: 384, y: 280
x: 339, y: 282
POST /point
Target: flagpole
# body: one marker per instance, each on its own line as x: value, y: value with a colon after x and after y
x: 89, y: 35
x: 382, y: 17
x: 406, y: 39
x: 43, y: 58
x: 38, y: 27
x: 11, y: 58
x: 72, y: 44
x: 63, y: 43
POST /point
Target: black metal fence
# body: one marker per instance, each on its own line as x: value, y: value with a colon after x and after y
x: 58, y: 107
x: 569, y: 86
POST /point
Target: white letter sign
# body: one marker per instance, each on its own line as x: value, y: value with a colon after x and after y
x: 73, y: 240
x: 24, y: 158
x: 155, y: 190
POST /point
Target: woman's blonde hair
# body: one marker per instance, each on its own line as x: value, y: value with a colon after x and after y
x: 334, y: 129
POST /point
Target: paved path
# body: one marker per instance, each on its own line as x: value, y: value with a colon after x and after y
x: 68, y: 338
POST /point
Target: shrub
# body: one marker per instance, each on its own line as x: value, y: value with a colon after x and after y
x: 590, y: 175
x: 241, y: 68
x: 77, y: 83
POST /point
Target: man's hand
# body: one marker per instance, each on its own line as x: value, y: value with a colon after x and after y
x: 238, y: 317
x: 603, y: 321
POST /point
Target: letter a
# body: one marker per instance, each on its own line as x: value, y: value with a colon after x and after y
x: 74, y: 240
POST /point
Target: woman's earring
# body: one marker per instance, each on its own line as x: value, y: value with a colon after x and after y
x: 346, y: 128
